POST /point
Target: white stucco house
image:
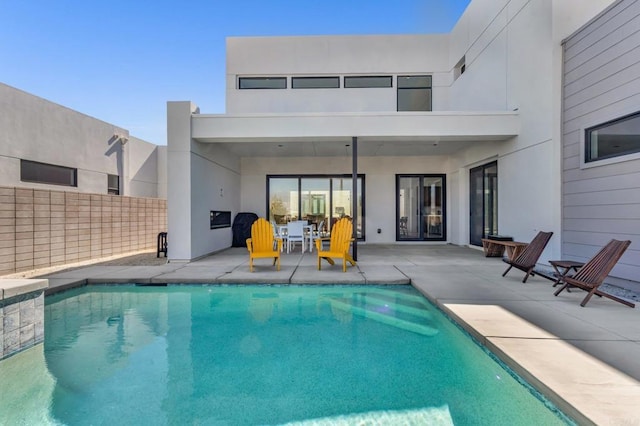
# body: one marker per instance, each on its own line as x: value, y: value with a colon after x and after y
x: 452, y: 136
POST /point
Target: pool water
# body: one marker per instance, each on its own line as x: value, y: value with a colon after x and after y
x: 205, y: 354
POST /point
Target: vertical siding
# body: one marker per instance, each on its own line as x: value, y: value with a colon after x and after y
x: 601, y: 83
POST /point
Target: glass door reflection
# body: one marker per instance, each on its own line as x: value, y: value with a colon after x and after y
x: 320, y: 200
x: 420, y: 212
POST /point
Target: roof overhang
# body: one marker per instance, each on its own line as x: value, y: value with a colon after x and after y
x: 397, y: 133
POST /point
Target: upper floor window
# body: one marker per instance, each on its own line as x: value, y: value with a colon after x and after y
x: 32, y: 171
x: 414, y: 93
x: 262, y: 82
x: 368, y: 81
x: 613, y: 139
x: 315, y: 82
x: 459, y: 69
x: 113, y: 184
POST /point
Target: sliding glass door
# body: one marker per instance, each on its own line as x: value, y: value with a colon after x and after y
x: 321, y: 200
x: 420, y: 208
x: 483, y: 202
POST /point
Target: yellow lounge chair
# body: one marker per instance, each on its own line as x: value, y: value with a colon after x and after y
x: 340, y: 241
x: 262, y: 243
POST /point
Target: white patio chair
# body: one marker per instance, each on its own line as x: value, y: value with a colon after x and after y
x: 295, y: 233
x: 276, y: 233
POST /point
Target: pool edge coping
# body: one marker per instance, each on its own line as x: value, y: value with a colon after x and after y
x: 552, y: 366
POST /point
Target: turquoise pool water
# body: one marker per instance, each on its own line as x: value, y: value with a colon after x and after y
x: 236, y: 355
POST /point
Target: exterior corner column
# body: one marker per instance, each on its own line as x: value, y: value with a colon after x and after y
x: 179, y: 185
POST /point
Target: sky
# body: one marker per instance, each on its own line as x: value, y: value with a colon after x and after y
x: 121, y: 60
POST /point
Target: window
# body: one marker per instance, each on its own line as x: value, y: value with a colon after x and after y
x: 315, y: 82
x: 414, y: 93
x: 613, y: 139
x: 31, y: 171
x: 262, y: 82
x: 420, y: 207
x: 459, y: 69
x: 113, y: 184
x: 368, y: 81
x: 317, y: 199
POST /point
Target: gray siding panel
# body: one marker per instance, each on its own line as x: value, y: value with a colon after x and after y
x: 611, y: 227
x: 595, y: 198
x: 599, y: 69
x: 584, y: 252
x: 601, y: 83
x: 583, y: 118
x: 608, y: 41
x: 619, y: 211
x: 629, y: 72
x: 627, y: 267
x: 627, y: 93
x: 612, y: 175
x: 579, y: 36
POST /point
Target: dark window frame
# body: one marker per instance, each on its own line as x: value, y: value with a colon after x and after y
x: 402, y: 88
x: 113, y: 190
x: 335, y: 79
x: 588, y: 158
x: 362, y: 222
x: 348, y: 78
x: 30, y: 175
x: 256, y: 79
x: 444, y: 213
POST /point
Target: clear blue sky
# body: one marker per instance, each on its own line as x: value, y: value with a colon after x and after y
x: 122, y: 60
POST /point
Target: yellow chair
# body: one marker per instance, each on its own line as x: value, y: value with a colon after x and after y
x: 262, y: 243
x: 340, y: 240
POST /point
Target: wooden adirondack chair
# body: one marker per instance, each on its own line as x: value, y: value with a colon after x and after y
x: 529, y: 256
x: 339, y: 242
x: 593, y: 273
x: 262, y: 243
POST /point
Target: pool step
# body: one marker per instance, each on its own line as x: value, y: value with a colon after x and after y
x: 371, y: 299
x: 385, y: 319
x: 393, y: 294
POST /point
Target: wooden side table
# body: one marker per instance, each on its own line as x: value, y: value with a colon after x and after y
x: 495, y: 248
x: 562, y: 268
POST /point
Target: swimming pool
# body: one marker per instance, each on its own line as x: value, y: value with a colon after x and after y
x: 208, y: 354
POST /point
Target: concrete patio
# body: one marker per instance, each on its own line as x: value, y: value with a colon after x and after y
x: 584, y: 359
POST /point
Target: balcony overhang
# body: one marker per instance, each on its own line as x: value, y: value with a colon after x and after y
x: 396, y: 133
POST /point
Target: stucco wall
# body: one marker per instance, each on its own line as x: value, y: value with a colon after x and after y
x: 380, y: 183
x: 201, y: 178
x: 333, y: 56
x: 39, y: 130
x: 508, y: 53
x: 216, y: 177
x: 142, y: 171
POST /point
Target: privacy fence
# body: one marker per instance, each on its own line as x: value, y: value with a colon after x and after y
x: 40, y: 228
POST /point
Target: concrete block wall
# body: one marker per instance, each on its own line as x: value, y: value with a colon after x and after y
x: 42, y: 228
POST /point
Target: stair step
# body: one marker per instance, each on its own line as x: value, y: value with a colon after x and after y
x: 371, y: 299
x: 385, y: 319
